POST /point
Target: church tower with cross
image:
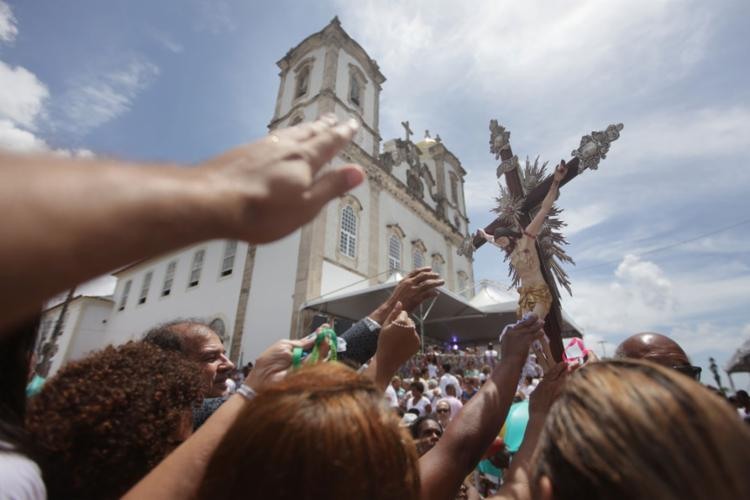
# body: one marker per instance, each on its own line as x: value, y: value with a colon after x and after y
x: 409, y: 212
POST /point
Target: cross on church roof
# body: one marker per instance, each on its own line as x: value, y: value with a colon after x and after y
x: 407, y: 130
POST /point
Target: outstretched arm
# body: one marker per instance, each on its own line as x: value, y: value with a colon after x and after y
x: 443, y: 469
x: 536, y: 224
x: 516, y: 482
x: 69, y: 220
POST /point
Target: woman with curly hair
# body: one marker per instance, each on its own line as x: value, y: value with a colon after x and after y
x: 103, y: 422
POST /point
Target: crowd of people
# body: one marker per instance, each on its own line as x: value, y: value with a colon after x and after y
x: 169, y: 416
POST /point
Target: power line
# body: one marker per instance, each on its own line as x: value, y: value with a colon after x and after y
x: 672, y: 245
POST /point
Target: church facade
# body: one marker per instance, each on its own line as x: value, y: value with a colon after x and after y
x: 409, y: 212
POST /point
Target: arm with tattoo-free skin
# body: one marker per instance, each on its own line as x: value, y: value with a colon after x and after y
x: 69, y: 220
x: 443, y: 469
x: 516, y: 482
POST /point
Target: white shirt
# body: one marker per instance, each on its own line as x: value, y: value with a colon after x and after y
x: 446, y: 380
x: 391, y: 397
x: 432, y: 370
x: 490, y: 354
x: 20, y: 478
x: 420, y: 405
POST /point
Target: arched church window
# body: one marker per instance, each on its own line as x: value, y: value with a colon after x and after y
x: 303, y: 81
x: 418, y: 251
x: 454, y: 187
x: 357, y: 82
x: 350, y: 210
x: 394, y: 253
x: 348, y: 236
x: 418, y: 258
x: 463, y: 284
x: 354, y: 90
x: 437, y: 263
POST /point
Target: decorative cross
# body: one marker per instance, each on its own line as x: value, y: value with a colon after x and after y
x: 408, y: 131
x: 592, y: 149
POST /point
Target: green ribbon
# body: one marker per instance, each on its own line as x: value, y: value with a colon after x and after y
x: 314, y: 356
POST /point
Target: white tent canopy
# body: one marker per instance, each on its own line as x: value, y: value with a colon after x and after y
x: 449, y: 318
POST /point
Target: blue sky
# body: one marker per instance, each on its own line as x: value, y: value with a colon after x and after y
x: 179, y: 81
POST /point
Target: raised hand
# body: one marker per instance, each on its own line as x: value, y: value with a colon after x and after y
x: 561, y: 171
x: 398, y: 340
x: 517, y: 339
x: 265, y: 190
x: 275, y: 362
x: 418, y: 286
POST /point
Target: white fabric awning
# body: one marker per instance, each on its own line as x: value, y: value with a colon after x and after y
x: 447, y: 318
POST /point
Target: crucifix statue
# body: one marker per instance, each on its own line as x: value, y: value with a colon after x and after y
x: 527, y: 227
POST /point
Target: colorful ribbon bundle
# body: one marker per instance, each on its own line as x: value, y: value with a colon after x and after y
x: 324, y: 333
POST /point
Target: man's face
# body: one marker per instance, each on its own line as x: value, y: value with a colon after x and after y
x: 503, y: 241
x: 208, y: 350
x: 443, y: 412
x: 396, y: 384
x: 429, y: 434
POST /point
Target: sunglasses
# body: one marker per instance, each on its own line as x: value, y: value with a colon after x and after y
x: 691, y: 371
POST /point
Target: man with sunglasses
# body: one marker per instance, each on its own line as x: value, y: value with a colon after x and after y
x: 658, y: 349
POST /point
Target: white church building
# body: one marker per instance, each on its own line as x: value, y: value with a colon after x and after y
x: 409, y: 212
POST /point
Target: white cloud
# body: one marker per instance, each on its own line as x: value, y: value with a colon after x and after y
x: 8, y: 28
x: 168, y: 42
x: 97, y: 99
x: 640, y: 295
x: 579, y: 53
x: 22, y: 95
x: 709, y: 337
x: 584, y: 217
x: 18, y: 140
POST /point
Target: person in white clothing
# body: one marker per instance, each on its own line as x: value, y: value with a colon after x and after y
x: 418, y: 400
x: 449, y: 379
x: 391, y: 396
x: 453, y: 401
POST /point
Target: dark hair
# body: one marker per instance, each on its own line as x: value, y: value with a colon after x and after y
x: 103, y: 422
x: 446, y: 367
x: 418, y: 385
x: 512, y: 236
x: 414, y: 427
x: 247, y: 369
x: 16, y: 348
x: 166, y: 338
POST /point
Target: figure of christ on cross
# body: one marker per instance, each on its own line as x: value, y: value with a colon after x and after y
x: 534, y: 293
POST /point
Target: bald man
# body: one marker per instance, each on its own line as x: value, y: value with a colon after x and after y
x: 658, y: 349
